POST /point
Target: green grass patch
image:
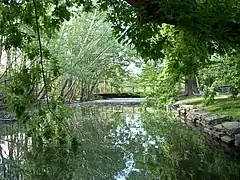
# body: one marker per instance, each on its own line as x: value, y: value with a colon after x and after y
x: 223, y: 105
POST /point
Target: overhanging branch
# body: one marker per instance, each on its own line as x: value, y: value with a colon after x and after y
x: 201, y: 24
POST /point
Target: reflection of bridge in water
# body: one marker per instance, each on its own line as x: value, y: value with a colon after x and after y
x: 120, y: 102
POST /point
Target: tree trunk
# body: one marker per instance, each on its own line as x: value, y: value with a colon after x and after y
x: 82, y: 91
x: 9, y: 60
x: 190, y: 85
x: 8, y: 64
x: 41, y: 93
x: 74, y: 91
x: 1, y: 49
x: 63, y: 88
x: 70, y: 88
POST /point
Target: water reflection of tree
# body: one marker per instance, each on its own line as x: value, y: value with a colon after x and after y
x: 183, y: 155
x: 91, y: 156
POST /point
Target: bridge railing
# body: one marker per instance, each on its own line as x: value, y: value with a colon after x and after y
x: 107, y: 88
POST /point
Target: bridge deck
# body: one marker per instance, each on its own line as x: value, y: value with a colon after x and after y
x: 118, y: 95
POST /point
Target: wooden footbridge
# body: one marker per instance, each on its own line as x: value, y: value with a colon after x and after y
x: 106, y: 91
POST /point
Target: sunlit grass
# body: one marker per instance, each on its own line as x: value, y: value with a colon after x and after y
x: 223, y: 105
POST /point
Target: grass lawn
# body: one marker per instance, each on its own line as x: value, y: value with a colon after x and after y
x: 223, y: 105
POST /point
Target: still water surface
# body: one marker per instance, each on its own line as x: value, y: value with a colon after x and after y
x: 118, y: 143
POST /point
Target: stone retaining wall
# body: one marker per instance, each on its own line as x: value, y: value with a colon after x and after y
x: 223, y: 128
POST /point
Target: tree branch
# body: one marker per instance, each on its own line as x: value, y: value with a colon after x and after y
x: 40, y: 51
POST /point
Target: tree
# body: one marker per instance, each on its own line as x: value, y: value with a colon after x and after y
x: 16, y: 15
x: 182, y: 34
x: 183, y: 57
x: 224, y: 71
x: 186, y: 33
x: 211, y: 20
x: 88, y: 54
x: 137, y: 22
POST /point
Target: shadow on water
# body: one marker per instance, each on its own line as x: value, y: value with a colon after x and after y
x: 114, y: 142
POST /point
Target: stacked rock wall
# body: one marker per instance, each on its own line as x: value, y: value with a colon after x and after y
x: 223, y: 128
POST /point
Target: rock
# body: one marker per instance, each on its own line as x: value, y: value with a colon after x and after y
x: 218, y: 134
x: 183, y: 111
x: 178, y: 103
x: 212, y: 119
x: 199, y: 111
x: 225, y: 145
x: 203, y: 114
x: 187, y: 107
x: 230, y: 128
x: 220, y: 127
x: 196, y: 115
x: 237, y: 140
x: 207, y: 130
x: 227, y: 139
x: 192, y: 116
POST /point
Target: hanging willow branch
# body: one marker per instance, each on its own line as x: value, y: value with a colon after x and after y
x: 40, y: 51
x: 42, y: 67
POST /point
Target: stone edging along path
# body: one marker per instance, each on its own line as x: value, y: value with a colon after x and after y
x: 223, y: 128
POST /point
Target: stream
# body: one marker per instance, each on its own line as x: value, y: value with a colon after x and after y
x: 118, y: 143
